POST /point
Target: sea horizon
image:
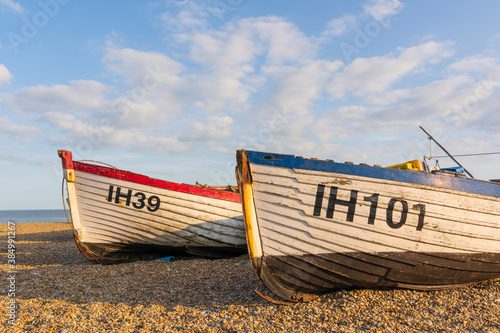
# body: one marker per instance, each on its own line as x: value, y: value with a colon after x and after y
x: 32, y: 215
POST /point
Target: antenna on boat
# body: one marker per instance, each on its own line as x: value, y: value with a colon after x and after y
x: 454, y: 160
x: 432, y: 157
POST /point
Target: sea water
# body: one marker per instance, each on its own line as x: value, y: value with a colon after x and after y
x: 31, y: 216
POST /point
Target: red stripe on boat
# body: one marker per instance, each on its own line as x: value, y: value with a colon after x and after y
x: 68, y: 163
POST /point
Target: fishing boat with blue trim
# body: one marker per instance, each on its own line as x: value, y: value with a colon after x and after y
x: 120, y: 216
x: 315, y: 226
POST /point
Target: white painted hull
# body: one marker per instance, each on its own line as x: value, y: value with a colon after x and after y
x: 111, y: 229
x: 311, y: 231
x: 455, y: 222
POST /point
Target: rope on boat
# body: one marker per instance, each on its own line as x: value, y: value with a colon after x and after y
x: 466, y: 155
x: 447, y: 153
x: 64, y: 204
x: 111, y: 166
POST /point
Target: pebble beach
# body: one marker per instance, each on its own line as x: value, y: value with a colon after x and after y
x: 58, y: 290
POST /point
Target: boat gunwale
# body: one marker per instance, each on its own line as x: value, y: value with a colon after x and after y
x: 69, y: 164
x: 438, y: 180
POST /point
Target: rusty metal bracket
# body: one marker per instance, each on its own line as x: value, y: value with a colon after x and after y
x: 269, y: 299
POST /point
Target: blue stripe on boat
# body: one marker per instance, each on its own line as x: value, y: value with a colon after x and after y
x: 422, y: 178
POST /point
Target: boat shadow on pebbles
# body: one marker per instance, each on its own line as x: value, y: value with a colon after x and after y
x: 49, y: 266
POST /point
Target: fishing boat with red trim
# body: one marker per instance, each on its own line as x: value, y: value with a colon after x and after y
x: 120, y: 216
x: 314, y: 226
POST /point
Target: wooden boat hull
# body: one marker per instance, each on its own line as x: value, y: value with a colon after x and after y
x: 120, y: 216
x: 316, y: 226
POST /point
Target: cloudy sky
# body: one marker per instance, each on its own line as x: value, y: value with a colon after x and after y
x: 172, y: 89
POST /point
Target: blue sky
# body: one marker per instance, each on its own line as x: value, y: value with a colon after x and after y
x: 172, y: 89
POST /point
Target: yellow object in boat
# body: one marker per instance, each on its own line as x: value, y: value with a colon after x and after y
x: 410, y: 165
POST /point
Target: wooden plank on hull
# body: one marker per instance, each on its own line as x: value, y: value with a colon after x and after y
x: 420, y: 192
x: 169, y: 219
x: 479, y: 205
x: 129, y: 177
x: 117, y: 229
x: 350, y: 238
x: 467, y: 237
x: 202, y: 204
x: 408, y: 241
x: 335, y: 267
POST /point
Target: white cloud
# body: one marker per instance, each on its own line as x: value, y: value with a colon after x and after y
x: 297, y: 88
x: 155, y: 87
x: 186, y: 19
x: 434, y: 102
x: 79, y: 95
x: 366, y: 76
x: 452, y: 104
x: 155, y: 80
x: 129, y: 113
x: 60, y: 121
x: 341, y: 132
x: 489, y: 119
x: 147, y: 69
x: 383, y: 10
x: 142, y: 141
x: 283, y: 41
x: 99, y: 134
x: 231, y: 54
x: 300, y: 84
x: 222, y: 49
x: 5, y: 75
x: 8, y: 127
x: 221, y: 89
x: 477, y: 103
x: 494, y: 40
x: 474, y: 63
x: 260, y: 83
x: 213, y: 128
x: 230, y: 58
x: 427, y: 96
x: 186, y: 16
x: 337, y: 27
x: 11, y: 5
x: 240, y: 42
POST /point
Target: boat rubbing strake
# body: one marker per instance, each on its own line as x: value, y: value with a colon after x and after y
x: 315, y: 226
x: 121, y: 216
